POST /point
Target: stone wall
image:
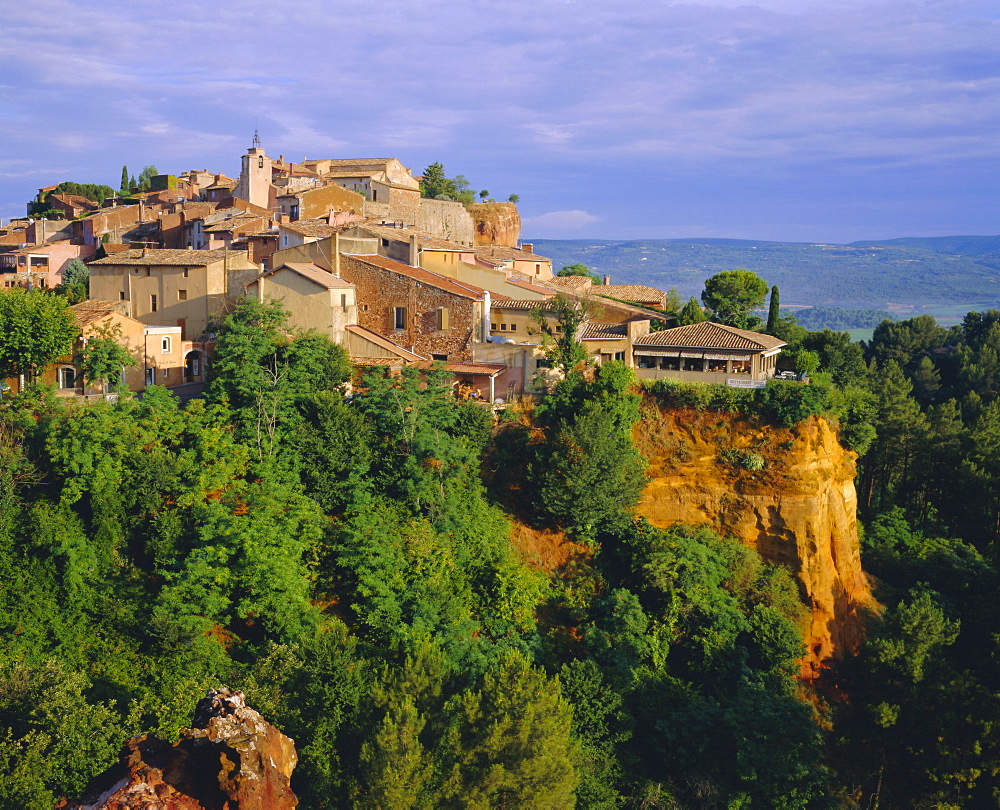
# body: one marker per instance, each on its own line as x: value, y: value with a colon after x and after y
x: 446, y: 219
x: 380, y: 291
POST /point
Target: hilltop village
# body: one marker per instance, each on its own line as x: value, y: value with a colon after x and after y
x: 352, y: 249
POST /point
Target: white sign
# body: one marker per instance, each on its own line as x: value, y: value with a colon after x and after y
x: 737, y: 383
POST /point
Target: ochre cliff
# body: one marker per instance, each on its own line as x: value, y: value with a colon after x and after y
x: 232, y: 758
x: 496, y: 223
x: 799, y: 510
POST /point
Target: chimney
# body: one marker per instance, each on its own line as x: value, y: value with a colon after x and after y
x: 528, y: 247
x: 414, y: 252
x: 607, y: 280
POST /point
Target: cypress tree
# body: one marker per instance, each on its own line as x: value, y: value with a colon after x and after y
x: 773, y: 311
x: 124, y: 187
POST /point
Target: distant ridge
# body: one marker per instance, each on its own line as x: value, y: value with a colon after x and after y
x: 908, y: 272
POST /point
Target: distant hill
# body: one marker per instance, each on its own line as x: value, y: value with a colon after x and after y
x: 922, y: 273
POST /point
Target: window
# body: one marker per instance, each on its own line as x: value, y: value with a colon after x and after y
x: 503, y: 327
x: 150, y: 376
x: 152, y: 303
x: 399, y: 317
x: 67, y: 377
x: 443, y: 318
x: 182, y: 295
x: 165, y: 373
x: 439, y: 357
x: 121, y: 295
x: 343, y: 301
x: 165, y: 345
x: 148, y: 271
x: 364, y: 307
x: 260, y: 162
x: 493, y: 327
x: 513, y: 327
x: 620, y: 356
x: 284, y: 240
x: 538, y: 269
x: 186, y: 271
x: 542, y: 363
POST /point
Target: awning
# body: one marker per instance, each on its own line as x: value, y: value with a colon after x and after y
x: 642, y: 352
x: 710, y: 356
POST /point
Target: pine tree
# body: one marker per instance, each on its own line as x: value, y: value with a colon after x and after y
x: 773, y: 311
x: 691, y: 312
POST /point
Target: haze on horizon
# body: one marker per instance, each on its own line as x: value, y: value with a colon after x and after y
x: 767, y: 119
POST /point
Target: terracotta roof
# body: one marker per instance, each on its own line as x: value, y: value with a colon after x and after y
x: 504, y: 253
x: 530, y: 286
x: 230, y: 225
x: 630, y: 292
x: 87, y: 312
x: 352, y: 161
x: 592, y: 330
x: 709, y: 335
x: 384, y: 342
x: 573, y: 282
x: 424, y: 276
x: 192, y: 258
x: 376, y: 361
x: 77, y: 200
x: 509, y: 303
x: 313, y: 273
x: 312, y: 227
x: 490, y: 369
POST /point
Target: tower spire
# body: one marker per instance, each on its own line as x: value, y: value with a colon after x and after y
x: 256, y: 136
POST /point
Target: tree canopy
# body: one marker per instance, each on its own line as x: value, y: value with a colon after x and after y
x: 732, y: 294
x: 36, y: 328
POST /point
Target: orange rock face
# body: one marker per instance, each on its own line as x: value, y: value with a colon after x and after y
x: 496, y: 223
x: 799, y: 510
x: 232, y: 758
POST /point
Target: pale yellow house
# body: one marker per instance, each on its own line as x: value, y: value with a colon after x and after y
x: 184, y: 288
x: 314, y: 297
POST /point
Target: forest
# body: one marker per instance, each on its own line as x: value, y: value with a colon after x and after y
x: 344, y: 557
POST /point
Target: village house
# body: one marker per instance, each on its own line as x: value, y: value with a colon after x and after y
x: 162, y: 357
x: 709, y: 352
x: 315, y: 298
x: 185, y: 288
x: 523, y: 260
x: 421, y: 311
x: 39, y: 265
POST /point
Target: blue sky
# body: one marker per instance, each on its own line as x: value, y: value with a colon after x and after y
x: 772, y: 119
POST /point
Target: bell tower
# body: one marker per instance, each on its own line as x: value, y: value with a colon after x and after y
x: 254, y: 184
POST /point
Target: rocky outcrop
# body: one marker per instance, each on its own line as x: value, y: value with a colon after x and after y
x: 496, y: 223
x: 799, y: 510
x: 232, y: 758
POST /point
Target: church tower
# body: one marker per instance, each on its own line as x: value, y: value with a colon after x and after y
x: 254, y: 184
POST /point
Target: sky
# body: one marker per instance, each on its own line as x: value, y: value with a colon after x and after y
x: 789, y: 120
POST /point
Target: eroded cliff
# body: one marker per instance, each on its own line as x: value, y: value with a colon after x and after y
x: 797, y: 509
x: 496, y: 223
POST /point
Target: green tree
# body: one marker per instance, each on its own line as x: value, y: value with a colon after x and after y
x: 435, y: 184
x: 691, y: 313
x: 773, y: 311
x: 146, y: 176
x: 103, y: 358
x: 806, y: 362
x: 514, y: 198
x: 36, y: 328
x: 511, y: 741
x: 578, y: 270
x: 563, y: 348
x: 75, y: 282
x: 125, y: 188
x: 732, y: 294
x: 673, y: 304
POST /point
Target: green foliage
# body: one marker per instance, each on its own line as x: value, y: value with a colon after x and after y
x: 773, y: 310
x: 436, y: 185
x: 691, y: 312
x: 578, y: 270
x: 76, y: 282
x: 124, y: 188
x: 732, y: 294
x: 103, y: 358
x: 562, y: 347
x: 36, y: 328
